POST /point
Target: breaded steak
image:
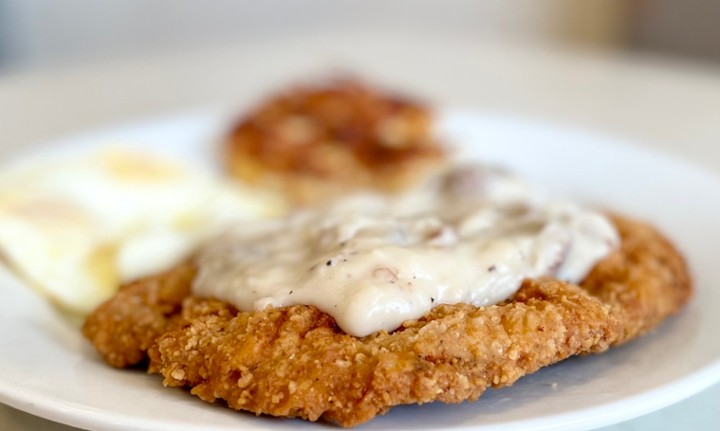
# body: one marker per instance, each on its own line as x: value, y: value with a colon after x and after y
x: 295, y: 361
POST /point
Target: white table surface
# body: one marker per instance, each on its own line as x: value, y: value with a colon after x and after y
x: 668, y: 105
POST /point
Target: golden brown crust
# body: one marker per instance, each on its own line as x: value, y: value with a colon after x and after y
x: 316, y: 143
x: 643, y: 283
x: 294, y: 361
x: 124, y: 327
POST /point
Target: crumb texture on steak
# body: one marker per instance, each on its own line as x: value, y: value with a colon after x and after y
x: 294, y: 361
x: 124, y: 327
x: 644, y: 282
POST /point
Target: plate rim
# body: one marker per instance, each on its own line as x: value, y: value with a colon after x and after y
x: 66, y: 412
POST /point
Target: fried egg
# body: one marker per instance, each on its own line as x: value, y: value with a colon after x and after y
x: 76, y: 229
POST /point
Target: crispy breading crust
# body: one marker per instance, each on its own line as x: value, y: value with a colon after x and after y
x: 123, y: 328
x: 644, y: 282
x: 315, y: 143
x: 295, y: 361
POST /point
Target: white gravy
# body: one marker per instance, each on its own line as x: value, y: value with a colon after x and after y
x: 372, y: 262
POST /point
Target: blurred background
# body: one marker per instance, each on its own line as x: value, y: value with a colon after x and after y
x: 616, y: 66
x: 45, y: 33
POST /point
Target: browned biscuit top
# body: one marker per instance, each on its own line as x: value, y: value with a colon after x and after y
x: 316, y: 142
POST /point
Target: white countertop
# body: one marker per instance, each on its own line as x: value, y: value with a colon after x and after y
x: 666, y: 105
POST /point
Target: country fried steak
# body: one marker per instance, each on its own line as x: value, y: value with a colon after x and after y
x: 295, y: 361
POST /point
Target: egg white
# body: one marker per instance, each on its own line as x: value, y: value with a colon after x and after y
x: 76, y: 229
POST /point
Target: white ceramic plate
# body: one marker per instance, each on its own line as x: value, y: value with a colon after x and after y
x: 47, y: 369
